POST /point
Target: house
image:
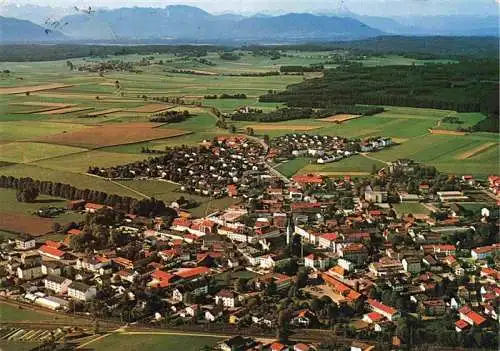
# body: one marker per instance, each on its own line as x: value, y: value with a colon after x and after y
x: 237, y: 343
x: 373, y: 317
x: 411, y: 264
x: 227, y: 298
x: 471, y: 317
x: 327, y: 241
x: 52, y: 268
x: 303, y: 318
x: 57, y: 284
x: 433, y: 307
x: 93, y: 208
x: 361, y: 346
x: 29, y: 272
x: 317, y: 261
x: 307, y: 179
x: 277, y: 346
x: 82, y: 292
x: 51, y: 252
x: 461, y: 325
x: 354, y: 252
x: 484, y: 252
x: 388, y: 312
x: 375, y: 196
x: 25, y: 242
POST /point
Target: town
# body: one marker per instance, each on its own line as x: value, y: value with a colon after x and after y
x: 302, y: 263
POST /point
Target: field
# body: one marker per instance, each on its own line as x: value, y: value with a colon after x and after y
x: 102, y: 127
x: 414, y: 208
x: 112, y: 134
x: 14, y: 314
x: 339, y: 118
x: 152, y: 342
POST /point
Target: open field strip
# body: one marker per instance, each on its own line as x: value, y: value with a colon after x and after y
x: 338, y: 118
x: 445, y: 132
x: 62, y: 111
x: 103, y: 112
x: 477, y: 150
x: 22, y: 152
x: 151, y: 108
x: 112, y: 134
x: 336, y: 174
x: 25, y: 130
x: 276, y: 126
x: 31, y: 89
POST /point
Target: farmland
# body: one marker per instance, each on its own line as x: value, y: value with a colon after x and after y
x: 135, y: 341
x: 57, y: 123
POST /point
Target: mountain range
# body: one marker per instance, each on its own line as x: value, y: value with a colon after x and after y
x: 190, y: 24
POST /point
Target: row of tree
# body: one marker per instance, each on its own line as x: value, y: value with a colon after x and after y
x: 287, y: 113
x: 26, y: 187
x: 170, y: 116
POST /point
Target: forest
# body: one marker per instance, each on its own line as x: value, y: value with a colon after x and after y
x: 469, y: 86
x: 287, y: 114
x: 145, y: 207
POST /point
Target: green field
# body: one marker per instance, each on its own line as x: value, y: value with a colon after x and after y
x: 8, y: 203
x: 289, y: 168
x: 405, y: 208
x: 14, y: 314
x: 151, y: 342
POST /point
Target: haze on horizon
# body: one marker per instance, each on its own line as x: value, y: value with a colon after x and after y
x: 363, y: 7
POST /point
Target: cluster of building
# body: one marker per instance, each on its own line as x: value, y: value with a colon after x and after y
x: 323, y: 148
x: 221, y: 268
x: 226, y: 166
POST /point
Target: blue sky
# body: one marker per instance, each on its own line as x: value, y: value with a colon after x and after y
x: 368, y: 7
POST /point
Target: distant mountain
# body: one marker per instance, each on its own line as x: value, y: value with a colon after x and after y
x: 34, y: 13
x: 16, y: 30
x: 191, y: 23
x: 458, y: 25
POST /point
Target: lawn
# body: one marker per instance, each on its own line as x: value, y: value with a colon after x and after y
x: 410, y: 207
x: 152, y: 342
x: 9, y: 313
x: 355, y: 165
x: 8, y: 203
x: 290, y: 167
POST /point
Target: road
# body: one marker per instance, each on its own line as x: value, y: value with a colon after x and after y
x: 364, y: 154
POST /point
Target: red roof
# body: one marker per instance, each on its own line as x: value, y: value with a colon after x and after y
x: 308, y: 179
x: 51, y: 251
x: 276, y: 346
x: 374, y: 316
x: 161, y: 275
x: 54, y: 244
x: 380, y: 306
x: 461, y: 324
x: 187, y: 273
x: 92, y: 206
x: 182, y: 222
x: 329, y: 236
x: 74, y: 232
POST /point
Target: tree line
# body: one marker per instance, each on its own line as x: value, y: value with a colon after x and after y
x: 301, y: 69
x: 170, y: 116
x: 287, y: 113
x: 226, y: 96
x: 144, y: 207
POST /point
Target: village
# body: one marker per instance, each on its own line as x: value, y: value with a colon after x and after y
x: 312, y: 252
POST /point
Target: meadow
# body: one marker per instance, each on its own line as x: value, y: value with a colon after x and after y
x: 152, y: 342
x: 58, y: 132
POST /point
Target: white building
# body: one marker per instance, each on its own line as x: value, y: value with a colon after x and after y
x: 57, y: 284
x: 227, y: 298
x: 25, y: 242
x: 80, y: 291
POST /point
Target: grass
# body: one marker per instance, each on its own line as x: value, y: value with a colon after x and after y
x: 128, y: 342
x: 289, y: 168
x: 20, y: 152
x: 10, y: 313
x: 410, y: 207
x: 22, y: 130
x: 355, y: 163
x: 8, y: 203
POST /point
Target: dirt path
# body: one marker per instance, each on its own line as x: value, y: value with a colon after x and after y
x: 364, y: 154
x: 93, y: 340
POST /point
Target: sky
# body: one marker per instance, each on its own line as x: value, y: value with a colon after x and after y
x: 366, y: 7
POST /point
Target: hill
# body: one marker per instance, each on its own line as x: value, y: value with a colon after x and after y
x: 191, y: 23
x: 16, y: 30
